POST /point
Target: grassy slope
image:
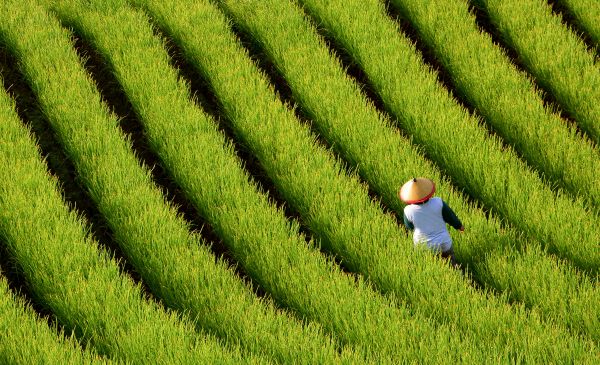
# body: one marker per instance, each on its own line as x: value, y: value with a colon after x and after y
x: 505, y: 97
x: 475, y: 161
x: 553, y: 54
x: 271, y: 250
x: 175, y: 264
x: 27, y: 339
x: 586, y: 14
x: 385, y: 159
x: 79, y: 282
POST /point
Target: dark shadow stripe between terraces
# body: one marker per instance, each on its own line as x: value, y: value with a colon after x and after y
x: 483, y: 22
x: 559, y: 9
x: 284, y: 91
x: 115, y: 97
x: 357, y: 74
x: 205, y: 97
x: 62, y: 168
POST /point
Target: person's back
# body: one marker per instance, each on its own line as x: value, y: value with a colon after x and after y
x: 429, y: 224
x: 428, y: 215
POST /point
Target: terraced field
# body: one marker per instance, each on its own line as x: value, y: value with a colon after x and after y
x: 215, y: 181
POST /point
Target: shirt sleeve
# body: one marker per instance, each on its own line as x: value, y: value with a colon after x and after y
x: 450, y: 217
x: 408, y: 223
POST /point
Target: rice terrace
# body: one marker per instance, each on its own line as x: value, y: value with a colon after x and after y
x: 218, y: 181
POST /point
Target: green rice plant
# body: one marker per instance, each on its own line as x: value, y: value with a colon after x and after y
x: 333, y: 205
x: 386, y: 160
x: 554, y: 55
x: 569, y: 298
x: 68, y: 273
x: 25, y: 339
x: 586, y: 14
x: 177, y: 266
x: 455, y: 140
x: 260, y: 238
x: 505, y: 97
x: 64, y: 267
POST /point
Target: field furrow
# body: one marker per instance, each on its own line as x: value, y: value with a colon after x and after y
x: 386, y: 160
x: 26, y: 339
x: 586, y: 14
x: 64, y: 267
x: 335, y: 207
x: 217, y: 181
x: 177, y: 266
x: 270, y: 249
x: 455, y: 140
x: 505, y: 97
x: 553, y: 54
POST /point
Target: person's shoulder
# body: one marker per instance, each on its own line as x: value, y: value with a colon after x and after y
x: 409, y: 208
x: 437, y: 202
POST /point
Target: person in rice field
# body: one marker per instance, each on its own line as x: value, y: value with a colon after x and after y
x: 427, y: 216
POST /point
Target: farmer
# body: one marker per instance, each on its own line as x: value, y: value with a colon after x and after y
x: 427, y: 216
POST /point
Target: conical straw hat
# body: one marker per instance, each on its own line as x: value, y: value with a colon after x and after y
x: 416, y: 190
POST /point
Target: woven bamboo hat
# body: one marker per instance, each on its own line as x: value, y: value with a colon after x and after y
x: 416, y: 190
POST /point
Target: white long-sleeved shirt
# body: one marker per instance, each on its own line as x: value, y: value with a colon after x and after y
x: 429, y: 224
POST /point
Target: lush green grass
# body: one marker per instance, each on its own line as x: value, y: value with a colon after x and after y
x: 386, y: 160
x: 64, y: 267
x: 337, y: 209
x: 177, y: 266
x: 474, y: 160
x: 28, y: 340
x: 505, y: 97
x: 398, y: 304
x: 270, y: 249
x: 554, y: 55
x: 586, y: 14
